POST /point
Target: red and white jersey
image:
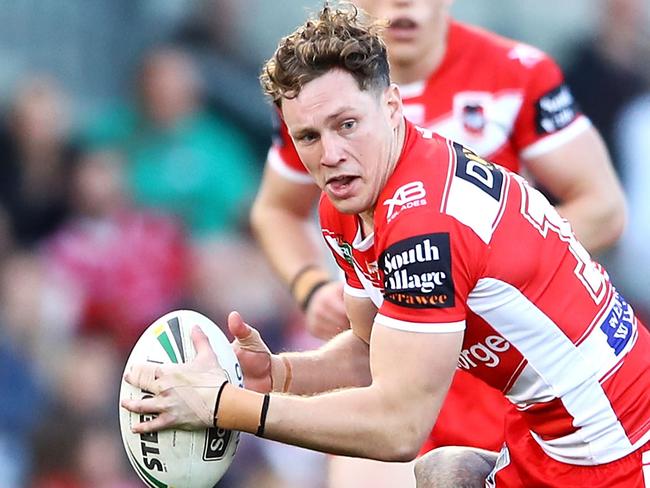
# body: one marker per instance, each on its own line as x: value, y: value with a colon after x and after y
x: 505, y: 100
x: 462, y: 244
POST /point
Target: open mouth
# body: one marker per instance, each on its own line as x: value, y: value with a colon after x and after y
x: 402, y: 27
x: 340, y: 185
x: 402, y: 23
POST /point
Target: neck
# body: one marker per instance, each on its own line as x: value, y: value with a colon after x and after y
x: 413, y: 70
x: 394, y: 153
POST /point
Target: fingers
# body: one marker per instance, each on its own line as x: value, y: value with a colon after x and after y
x: 147, y: 405
x: 144, y: 376
x: 246, y: 337
x: 160, y: 422
x: 238, y: 328
x: 205, y: 355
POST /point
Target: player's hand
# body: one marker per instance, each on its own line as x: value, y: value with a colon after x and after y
x: 263, y: 371
x: 183, y: 395
x: 325, y: 314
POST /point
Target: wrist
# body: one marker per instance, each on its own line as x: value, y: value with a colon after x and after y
x: 239, y: 409
x: 306, y: 282
x: 281, y: 373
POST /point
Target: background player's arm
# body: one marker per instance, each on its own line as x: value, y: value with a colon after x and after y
x: 282, y: 220
x: 579, y: 174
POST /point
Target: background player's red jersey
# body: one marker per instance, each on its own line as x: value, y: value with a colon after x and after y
x: 504, y: 100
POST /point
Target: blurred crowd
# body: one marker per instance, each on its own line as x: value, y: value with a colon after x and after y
x: 112, y: 217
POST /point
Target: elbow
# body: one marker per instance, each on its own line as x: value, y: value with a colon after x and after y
x: 257, y: 216
x: 402, y: 452
x: 404, y: 455
x: 613, y: 221
x: 402, y: 445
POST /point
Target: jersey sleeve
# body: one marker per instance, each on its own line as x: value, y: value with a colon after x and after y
x: 283, y: 157
x: 549, y: 116
x: 429, y: 263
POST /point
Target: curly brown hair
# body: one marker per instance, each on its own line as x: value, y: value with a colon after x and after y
x: 341, y: 38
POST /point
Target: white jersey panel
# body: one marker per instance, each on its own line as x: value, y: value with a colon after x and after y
x: 501, y: 111
x: 558, y: 368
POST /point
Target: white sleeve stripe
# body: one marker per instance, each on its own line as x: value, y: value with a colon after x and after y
x: 427, y: 327
x: 558, y: 139
x: 276, y: 162
x: 355, y: 292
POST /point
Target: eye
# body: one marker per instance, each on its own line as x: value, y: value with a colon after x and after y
x: 348, y: 125
x: 307, y: 138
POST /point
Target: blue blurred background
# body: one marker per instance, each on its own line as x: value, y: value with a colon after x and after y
x: 132, y: 138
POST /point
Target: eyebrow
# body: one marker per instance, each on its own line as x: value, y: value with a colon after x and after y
x: 305, y: 130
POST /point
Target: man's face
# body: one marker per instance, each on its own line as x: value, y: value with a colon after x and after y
x: 345, y: 137
x: 411, y: 34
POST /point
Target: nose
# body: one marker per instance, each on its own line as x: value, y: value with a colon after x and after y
x: 332, y: 150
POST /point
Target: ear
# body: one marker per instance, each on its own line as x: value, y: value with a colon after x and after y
x: 393, y: 100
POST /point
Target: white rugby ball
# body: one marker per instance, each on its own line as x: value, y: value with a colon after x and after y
x: 178, y: 458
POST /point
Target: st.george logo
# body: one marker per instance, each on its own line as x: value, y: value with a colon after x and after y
x: 410, y: 195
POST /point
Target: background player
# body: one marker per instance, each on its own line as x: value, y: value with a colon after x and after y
x: 505, y: 100
x: 567, y: 349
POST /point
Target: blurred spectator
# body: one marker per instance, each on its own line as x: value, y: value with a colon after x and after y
x: 605, y: 71
x: 127, y: 266
x: 215, y: 35
x: 21, y: 392
x: 36, y: 153
x: 77, y: 444
x: 179, y: 157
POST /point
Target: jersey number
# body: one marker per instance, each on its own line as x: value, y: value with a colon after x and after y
x: 536, y: 209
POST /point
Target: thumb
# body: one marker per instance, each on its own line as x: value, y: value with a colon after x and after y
x: 246, y: 337
x: 238, y: 328
x: 204, y: 352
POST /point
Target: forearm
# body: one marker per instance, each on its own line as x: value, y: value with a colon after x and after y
x: 580, y: 176
x: 344, y: 359
x: 596, y: 220
x: 289, y: 242
x: 282, y: 221
x: 354, y: 422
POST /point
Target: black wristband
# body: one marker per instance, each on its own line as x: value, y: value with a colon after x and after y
x: 312, y: 292
x: 216, y: 403
x: 265, y: 409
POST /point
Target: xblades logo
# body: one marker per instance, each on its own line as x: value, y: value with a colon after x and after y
x: 410, y: 195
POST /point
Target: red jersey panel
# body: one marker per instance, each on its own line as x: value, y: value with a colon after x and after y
x: 463, y: 244
x: 503, y: 99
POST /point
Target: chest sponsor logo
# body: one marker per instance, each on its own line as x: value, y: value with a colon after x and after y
x: 619, y: 326
x: 410, y: 195
x: 555, y: 110
x: 417, y: 272
x: 479, y: 172
x: 483, y: 353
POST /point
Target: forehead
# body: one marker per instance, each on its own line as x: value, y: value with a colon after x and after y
x: 324, y: 97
